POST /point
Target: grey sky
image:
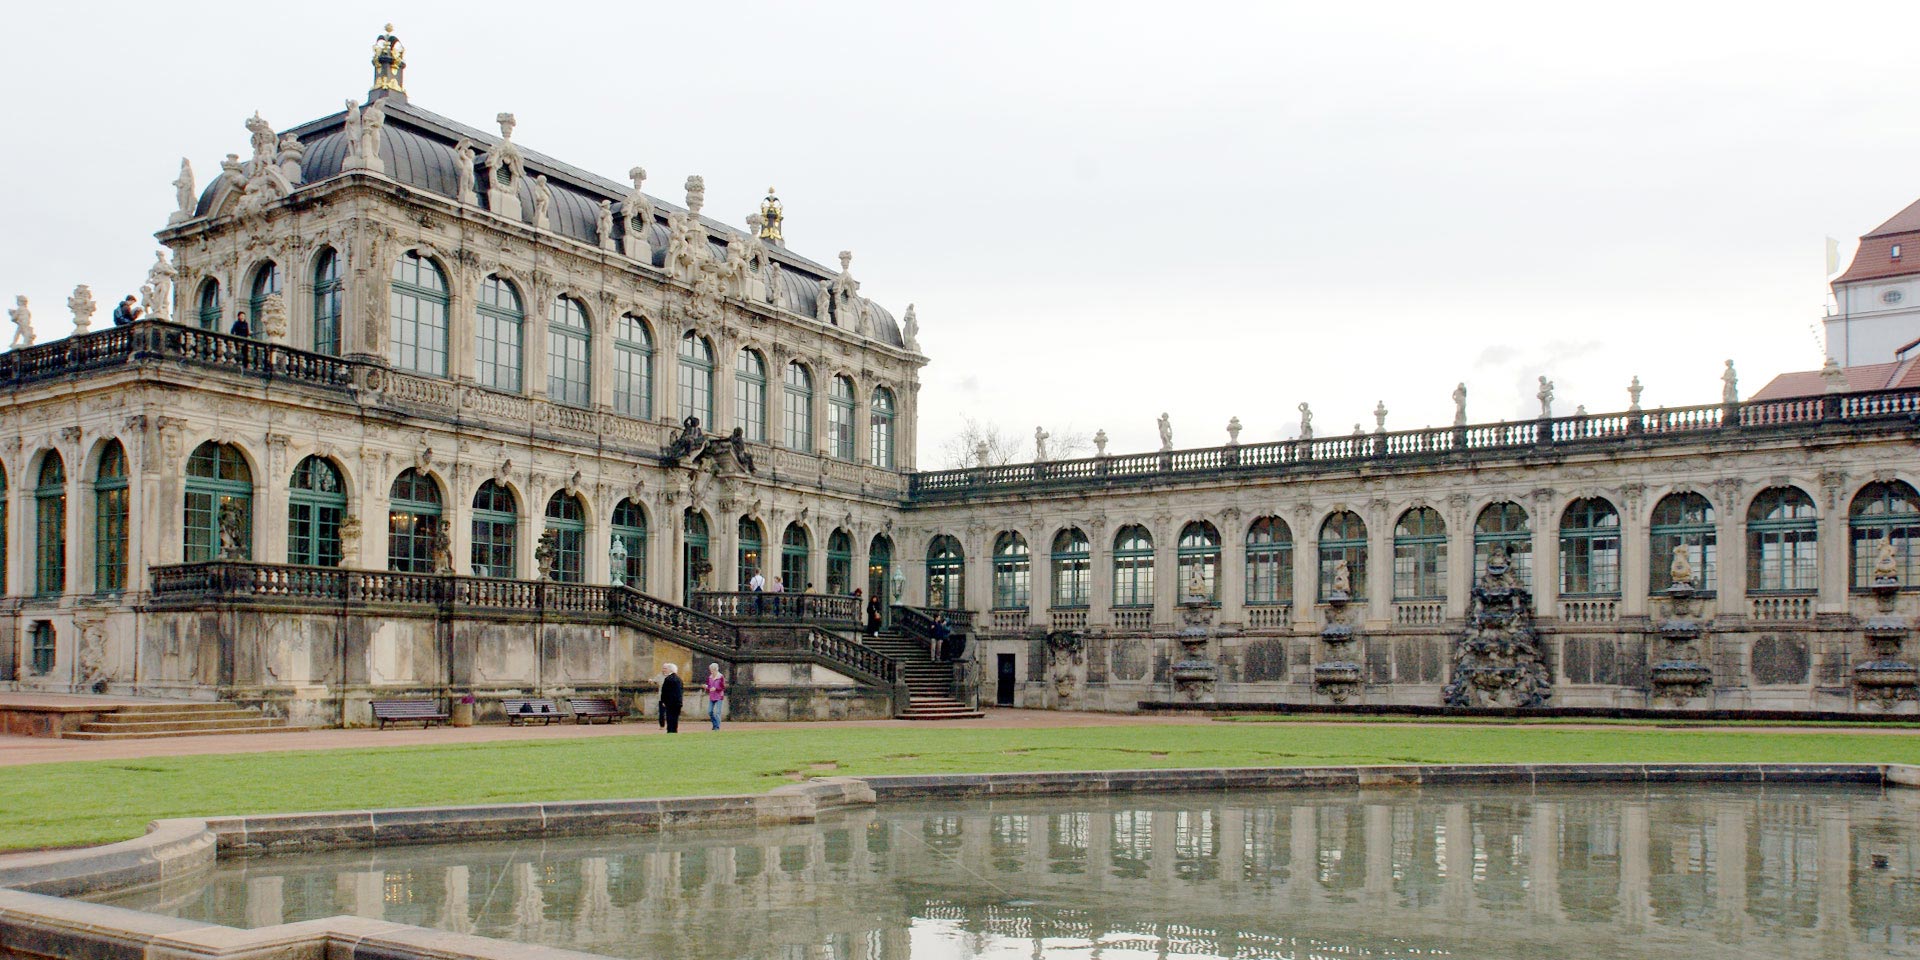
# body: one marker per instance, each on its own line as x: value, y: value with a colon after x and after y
x: 1107, y: 210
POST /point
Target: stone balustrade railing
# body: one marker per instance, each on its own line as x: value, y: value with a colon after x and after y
x: 760, y: 607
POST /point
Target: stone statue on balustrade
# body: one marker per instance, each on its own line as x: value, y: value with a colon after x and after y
x: 464, y: 160
x: 1306, y: 422
x: 1546, y: 398
x: 1729, y: 385
x: 160, y: 279
x: 1233, y: 431
x: 1040, y: 436
x: 442, y: 548
x: 1100, y: 443
x: 542, y: 202
x: 1166, y: 433
x: 83, y: 307
x: 234, y: 532
x: 184, y: 197
x: 910, y: 330
x: 546, y: 552
x: 22, y: 319
x: 603, y: 225
x: 1460, y: 405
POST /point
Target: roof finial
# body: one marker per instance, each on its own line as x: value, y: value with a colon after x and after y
x: 389, y: 65
x: 772, y: 213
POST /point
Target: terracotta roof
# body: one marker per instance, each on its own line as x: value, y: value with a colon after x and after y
x: 1901, y: 374
x: 1906, y: 221
x: 1874, y: 260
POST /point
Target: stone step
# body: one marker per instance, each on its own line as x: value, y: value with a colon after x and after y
x: 180, y: 726
x: 962, y: 714
x: 168, y: 716
x: 82, y: 735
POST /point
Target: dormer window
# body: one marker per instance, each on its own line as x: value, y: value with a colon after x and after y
x: 1895, y: 253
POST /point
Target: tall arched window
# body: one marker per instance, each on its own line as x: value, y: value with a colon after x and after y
x: 1012, y: 572
x: 1420, y: 555
x: 880, y: 573
x: 499, y: 330
x: 266, y: 283
x: 750, y: 395
x: 418, y: 313
x: 630, y: 532
x: 328, y: 298
x: 794, y: 546
x: 1133, y: 567
x: 413, y: 522
x: 1344, y: 537
x: 1884, y: 512
x: 1504, y: 524
x: 1590, y: 549
x: 567, y: 521
x: 219, y: 504
x: 496, y: 531
x: 569, y: 354
x: 840, y: 563
x: 752, y: 558
x: 632, y: 367
x: 799, y: 418
x: 208, y: 311
x: 1683, y: 521
x: 1269, y: 561
x: 110, y: 520
x: 316, y: 503
x: 1197, y: 557
x: 840, y: 417
x: 696, y: 378
x: 50, y: 527
x: 1072, y: 569
x: 1783, y: 542
x: 880, y: 428
x: 696, y: 562
x: 946, y: 574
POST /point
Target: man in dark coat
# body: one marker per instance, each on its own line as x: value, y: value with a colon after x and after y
x: 671, y: 692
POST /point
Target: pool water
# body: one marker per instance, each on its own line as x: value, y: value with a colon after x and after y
x: 1692, y: 872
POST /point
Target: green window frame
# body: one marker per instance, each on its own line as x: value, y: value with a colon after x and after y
x: 208, y: 311
x: 1504, y: 524
x: 418, y: 316
x: 693, y: 553
x: 569, y: 354
x: 750, y: 395
x: 794, y: 548
x: 414, y: 516
x: 840, y: 563
x: 1343, y: 536
x: 632, y: 367
x: 630, y: 531
x: 840, y: 417
x: 880, y: 428
x: 499, y: 335
x: 110, y: 520
x: 946, y: 574
x: 696, y: 378
x: 1012, y: 572
x: 1072, y: 569
x: 219, y: 483
x: 266, y: 283
x: 567, y: 520
x: 1590, y: 549
x: 1269, y: 562
x: 1420, y: 555
x: 1884, y: 511
x: 496, y: 531
x: 1683, y: 520
x: 1783, y: 542
x: 799, y: 407
x: 316, y: 506
x: 751, y: 553
x: 1198, y: 552
x: 43, y: 648
x: 329, y: 299
x: 50, y: 527
x: 1133, y: 567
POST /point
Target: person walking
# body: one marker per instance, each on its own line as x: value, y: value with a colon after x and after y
x: 716, y: 693
x: 671, y: 691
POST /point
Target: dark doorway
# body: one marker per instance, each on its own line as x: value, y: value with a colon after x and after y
x: 1003, y: 691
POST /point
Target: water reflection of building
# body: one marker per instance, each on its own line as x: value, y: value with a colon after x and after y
x: 1473, y: 874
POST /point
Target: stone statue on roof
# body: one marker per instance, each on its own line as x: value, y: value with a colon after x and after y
x: 637, y: 210
x: 1306, y: 421
x: 910, y: 330
x: 184, y: 196
x: 292, y: 152
x: 1634, y: 390
x: 372, y: 119
x: 603, y: 225
x: 1729, y: 385
x: 687, y: 245
x: 1546, y: 398
x: 1166, y: 433
x: 505, y: 169
x: 160, y: 278
x: 1040, y: 436
x: 1460, y: 405
x: 542, y: 201
x: 83, y: 307
x: 464, y: 160
x: 22, y: 319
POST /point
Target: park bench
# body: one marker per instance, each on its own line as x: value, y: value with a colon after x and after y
x: 428, y: 712
x: 588, y: 709
x: 528, y: 709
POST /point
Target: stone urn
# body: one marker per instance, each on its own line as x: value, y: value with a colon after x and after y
x: 1194, y: 674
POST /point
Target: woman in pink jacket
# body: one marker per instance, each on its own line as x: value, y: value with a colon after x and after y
x: 716, y: 693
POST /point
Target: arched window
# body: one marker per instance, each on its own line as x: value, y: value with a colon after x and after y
x: 630, y: 532
x: 632, y: 367
x: 496, y: 529
x: 1590, y: 549
x: 1133, y: 567
x: 419, y: 316
x: 1197, y: 557
x: 266, y: 283
x: 840, y: 562
x: 219, y: 505
x: 110, y: 520
x: 794, y: 545
x: 209, y: 309
x: 1783, y: 542
x: 840, y: 417
x: 696, y: 562
x: 50, y: 527
x: 569, y: 354
x: 1344, y: 537
x: 45, y: 647
x: 1012, y: 572
x: 880, y: 573
x: 328, y: 298
x: 316, y: 503
x: 1072, y: 569
x: 567, y: 521
x: 880, y: 428
x: 1269, y: 561
x: 1884, y: 512
x: 1683, y: 521
x: 750, y: 395
x: 799, y: 420
x: 752, y: 561
x: 1420, y: 555
x: 413, y: 522
x: 696, y: 378
x: 946, y: 574
x: 1504, y: 524
x: 499, y: 329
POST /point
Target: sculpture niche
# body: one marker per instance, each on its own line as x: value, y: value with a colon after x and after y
x: 1497, y: 661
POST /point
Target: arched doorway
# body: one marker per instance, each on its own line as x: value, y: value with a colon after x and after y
x: 880, y: 576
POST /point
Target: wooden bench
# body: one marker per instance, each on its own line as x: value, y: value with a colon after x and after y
x: 405, y: 711
x: 528, y: 709
x: 589, y: 709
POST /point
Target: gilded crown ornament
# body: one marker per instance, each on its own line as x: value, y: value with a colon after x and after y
x: 389, y: 62
x: 770, y: 212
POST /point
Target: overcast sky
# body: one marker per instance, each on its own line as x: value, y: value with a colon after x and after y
x: 1107, y: 210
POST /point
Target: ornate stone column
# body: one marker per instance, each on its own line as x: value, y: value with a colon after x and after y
x: 1835, y: 552
x: 1544, y: 518
x: 1380, y: 522
x: 1461, y: 565
x: 725, y: 543
x: 1635, y: 575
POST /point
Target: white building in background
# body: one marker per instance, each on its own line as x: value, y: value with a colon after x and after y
x: 1876, y: 308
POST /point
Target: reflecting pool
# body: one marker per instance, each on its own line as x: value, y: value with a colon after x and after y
x: 1488, y: 873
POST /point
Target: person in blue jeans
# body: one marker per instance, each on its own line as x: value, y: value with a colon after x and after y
x: 716, y: 693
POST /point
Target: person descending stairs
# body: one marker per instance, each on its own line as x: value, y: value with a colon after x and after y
x: 929, y: 682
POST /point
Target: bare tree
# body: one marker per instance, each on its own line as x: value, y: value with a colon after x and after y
x: 1003, y: 446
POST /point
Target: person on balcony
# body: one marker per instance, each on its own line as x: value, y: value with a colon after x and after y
x: 716, y: 693
x: 127, y: 312
x: 756, y: 583
x: 240, y: 328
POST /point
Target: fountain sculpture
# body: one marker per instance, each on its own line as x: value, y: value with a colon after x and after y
x: 1679, y: 675
x: 1886, y: 679
x: 1194, y: 674
x: 1338, y: 676
x: 1497, y: 661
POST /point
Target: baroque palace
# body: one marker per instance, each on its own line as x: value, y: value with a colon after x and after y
x: 416, y: 411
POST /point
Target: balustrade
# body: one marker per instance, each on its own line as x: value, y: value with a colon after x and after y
x: 1420, y: 612
x: 1598, y: 610
x: 1009, y: 621
x: 760, y: 607
x: 1780, y: 608
x: 1269, y: 616
x: 1069, y: 619
x: 1133, y: 619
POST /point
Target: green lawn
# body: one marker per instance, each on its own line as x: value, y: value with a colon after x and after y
x: 60, y: 804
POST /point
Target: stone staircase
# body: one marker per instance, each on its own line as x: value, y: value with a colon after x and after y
x: 184, y: 719
x: 929, y: 684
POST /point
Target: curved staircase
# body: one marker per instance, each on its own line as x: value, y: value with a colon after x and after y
x: 146, y: 721
x: 929, y: 683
